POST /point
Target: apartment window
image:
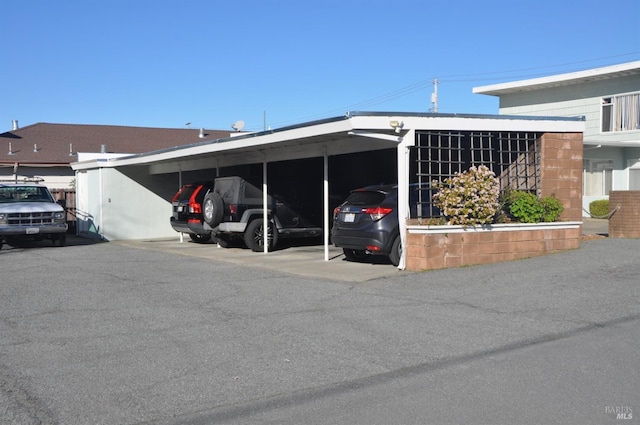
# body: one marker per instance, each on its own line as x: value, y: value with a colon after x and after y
x: 598, y: 175
x: 621, y: 113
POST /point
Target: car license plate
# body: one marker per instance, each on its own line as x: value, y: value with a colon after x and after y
x: 32, y: 230
x: 349, y: 217
x: 179, y: 208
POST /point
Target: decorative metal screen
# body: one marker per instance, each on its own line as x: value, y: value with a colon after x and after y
x: 513, y: 156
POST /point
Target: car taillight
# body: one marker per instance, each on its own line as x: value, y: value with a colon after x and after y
x: 194, y: 206
x: 377, y: 213
x: 233, y: 208
x: 336, y: 211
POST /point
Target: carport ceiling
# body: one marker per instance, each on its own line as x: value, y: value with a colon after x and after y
x: 308, y: 147
x: 334, y: 136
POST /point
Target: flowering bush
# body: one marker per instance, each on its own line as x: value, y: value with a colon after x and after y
x: 469, y: 198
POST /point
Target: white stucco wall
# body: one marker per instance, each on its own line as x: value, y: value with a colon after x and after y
x: 117, y: 207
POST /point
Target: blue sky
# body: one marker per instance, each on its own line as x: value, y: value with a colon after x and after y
x: 160, y: 63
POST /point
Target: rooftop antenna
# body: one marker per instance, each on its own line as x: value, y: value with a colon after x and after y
x: 238, y: 125
x: 188, y: 125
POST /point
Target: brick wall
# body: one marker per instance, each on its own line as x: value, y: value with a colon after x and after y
x: 625, y: 222
x: 561, y: 171
x: 426, y: 251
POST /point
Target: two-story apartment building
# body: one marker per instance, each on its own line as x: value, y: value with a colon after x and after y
x: 609, y: 99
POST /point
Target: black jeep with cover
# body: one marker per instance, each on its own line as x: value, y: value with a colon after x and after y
x: 232, y: 209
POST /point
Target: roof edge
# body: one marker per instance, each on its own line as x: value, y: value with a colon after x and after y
x: 496, y: 89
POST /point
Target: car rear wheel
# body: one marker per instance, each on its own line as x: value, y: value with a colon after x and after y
x: 213, y: 208
x: 355, y: 254
x: 200, y: 238
x: 254, y: 236
x: 396, y: 251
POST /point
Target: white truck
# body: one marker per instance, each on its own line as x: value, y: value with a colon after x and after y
x: 28, y: 211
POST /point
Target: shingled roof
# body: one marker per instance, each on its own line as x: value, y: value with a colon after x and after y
x: 48, y: 144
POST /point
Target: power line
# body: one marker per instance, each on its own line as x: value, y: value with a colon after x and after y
x: 453, y: 78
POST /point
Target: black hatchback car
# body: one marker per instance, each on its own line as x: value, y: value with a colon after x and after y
x: 366, y: 223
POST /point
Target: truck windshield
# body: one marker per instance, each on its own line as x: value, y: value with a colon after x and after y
x: 17, y: 193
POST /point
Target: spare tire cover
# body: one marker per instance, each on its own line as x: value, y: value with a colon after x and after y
x: 213, y: 208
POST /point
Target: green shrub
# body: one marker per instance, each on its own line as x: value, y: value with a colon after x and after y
x: 525, y: 207
x: 599, y: 208
x: 552, y: 209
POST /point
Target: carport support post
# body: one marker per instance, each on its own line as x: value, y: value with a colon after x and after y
x: 403, y: 192
x: 265, y: 205
x: 325, y: 200
x: 179, y: 187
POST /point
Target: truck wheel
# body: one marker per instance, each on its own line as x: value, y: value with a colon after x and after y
x: 200, y: 238
x: 213, y: 209
x: 60, y: 238
x: 254, y: 235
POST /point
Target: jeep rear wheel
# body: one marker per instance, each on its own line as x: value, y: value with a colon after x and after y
x: 254, y: 235
x: 212, y: 209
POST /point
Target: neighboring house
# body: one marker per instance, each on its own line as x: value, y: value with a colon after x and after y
x: 45, y: 150
x: 609, y: 99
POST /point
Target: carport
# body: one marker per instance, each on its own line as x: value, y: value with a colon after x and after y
x: 128, y: 197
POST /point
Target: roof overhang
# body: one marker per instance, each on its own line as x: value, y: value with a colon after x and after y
x: 596, y: 74
x: 351, y: 133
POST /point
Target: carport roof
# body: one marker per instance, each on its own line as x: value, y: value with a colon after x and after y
x: 350, y: 133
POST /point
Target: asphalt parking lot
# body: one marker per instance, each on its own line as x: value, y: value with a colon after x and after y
x: 113, y: 333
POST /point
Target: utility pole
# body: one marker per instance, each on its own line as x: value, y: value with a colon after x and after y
x: 434, y: 96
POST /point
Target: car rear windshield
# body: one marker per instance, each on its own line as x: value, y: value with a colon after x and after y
x: 365, y: 198
x: 186, y: 193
